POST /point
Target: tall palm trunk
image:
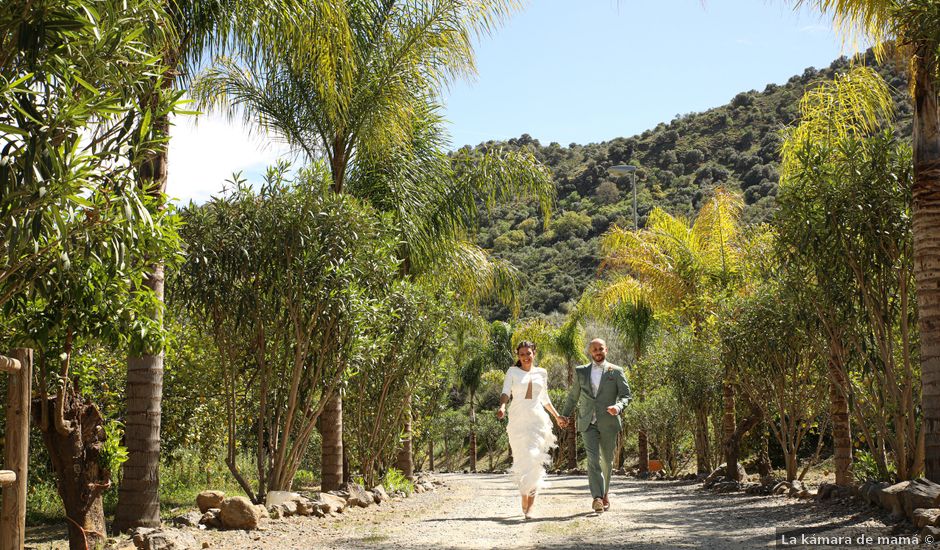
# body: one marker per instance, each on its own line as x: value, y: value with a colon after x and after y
x: 331, y: 437
x: 926, y: 227
x: 841, y: 426
x: 404, y: 461
x: 571, y: 437
x: 642, y: 439
x: 473, y: 436
x: 728, y: 428
x: 139, y: 494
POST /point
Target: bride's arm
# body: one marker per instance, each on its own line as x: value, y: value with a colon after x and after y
x: 504, y: 396
x: 547, y: 402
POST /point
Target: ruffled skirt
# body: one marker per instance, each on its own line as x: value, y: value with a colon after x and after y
x: 531, y: 438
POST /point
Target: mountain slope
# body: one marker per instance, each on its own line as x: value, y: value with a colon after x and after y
x: 736, y: 145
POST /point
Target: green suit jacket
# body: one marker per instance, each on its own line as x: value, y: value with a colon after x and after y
x: 612, y: 391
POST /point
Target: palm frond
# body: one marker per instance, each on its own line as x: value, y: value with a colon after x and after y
x: 854, y: 104
x: 473, y: 275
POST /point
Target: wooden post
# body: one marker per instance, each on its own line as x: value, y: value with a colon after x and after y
x: 16, y: 451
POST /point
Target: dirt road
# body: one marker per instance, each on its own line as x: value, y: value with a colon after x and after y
x: 482, y: 511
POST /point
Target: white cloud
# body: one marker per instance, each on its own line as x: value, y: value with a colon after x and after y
x: 205, y: 151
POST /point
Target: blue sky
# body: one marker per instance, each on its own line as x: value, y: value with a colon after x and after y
x: 572, y: 71
x: 591, y: 70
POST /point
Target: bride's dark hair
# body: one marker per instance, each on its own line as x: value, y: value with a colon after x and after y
x: 524, y: 344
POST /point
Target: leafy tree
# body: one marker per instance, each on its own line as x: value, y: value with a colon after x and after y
x: 845, y: 215
x: 191, y: 29
x: 910, y: 26
x: 678, y: 268
x: 300, y: 274
x: 770, y: 335
x: 76, y: 229
x: 380, y: 134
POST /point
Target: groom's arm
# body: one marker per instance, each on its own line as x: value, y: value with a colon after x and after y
x: 574, y: 393
x: 623, y: 391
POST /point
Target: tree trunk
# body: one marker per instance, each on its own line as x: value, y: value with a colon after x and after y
x: 405, y: 459
x: 80, y: 480
x: 473, y: 450
x: 728, y: 420
x: 732, y: 442
x: 446, y: 454
x: 926, y: 229
x: 702, y: 461
x: 139, y: 494
x: 763, y: 452
x: 841, y: 426
x: 643, y: 447
x: 431, y: 454
x: 331, y: 437
x: 473, y: 436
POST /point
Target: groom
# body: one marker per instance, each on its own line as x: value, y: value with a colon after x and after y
x: 601, y: 392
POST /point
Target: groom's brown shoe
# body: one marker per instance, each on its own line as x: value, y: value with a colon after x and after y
x: 606, y: 502
x: 598, y: 505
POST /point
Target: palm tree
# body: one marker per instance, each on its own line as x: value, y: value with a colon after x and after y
x: 908, y: 28
x: 197, y: 27
x: 379, y: 132
x: 470, y: 378
x: 677, y: 268
x: 853, y: 104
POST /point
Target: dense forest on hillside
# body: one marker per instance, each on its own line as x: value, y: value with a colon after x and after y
x: 736, y: 145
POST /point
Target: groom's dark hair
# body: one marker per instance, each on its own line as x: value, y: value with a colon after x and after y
x: 524, y: 344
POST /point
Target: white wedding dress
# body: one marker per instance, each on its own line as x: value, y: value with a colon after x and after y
x: 530, y: 428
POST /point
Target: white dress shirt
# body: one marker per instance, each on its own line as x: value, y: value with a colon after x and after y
x: 597, y: 370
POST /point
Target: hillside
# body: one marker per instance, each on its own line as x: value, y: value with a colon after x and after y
x: 735, y: 145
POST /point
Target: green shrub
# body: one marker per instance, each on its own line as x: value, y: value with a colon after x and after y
x: 394, y: 480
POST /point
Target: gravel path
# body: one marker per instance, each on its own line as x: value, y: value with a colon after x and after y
x: 482, y: 511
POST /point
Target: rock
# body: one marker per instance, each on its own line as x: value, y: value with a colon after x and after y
x: 922, y: 517
x: 428, y: 486
x: 209, y: 499
x: 781, y: 488
x: 419, y: 488
x: 824, y: 492
x: 331, y: 503
x: 720, y: 472
x: 164, y: 539
x: 211, y: 519
x: 891, y: 498
x: 239, y: 513
x: 920, y: 493
x: 358, y: 496
x: 279, y: 497
x: 262, y: 510
x: 797, y: 488
x: 929, y: 531
x: 290, y: 508
x: 379, y: 493
x: 871, y: 491
x: 317, y: 508
x: 189, y: 519
x: 304, y: 507
x: 726, y: 487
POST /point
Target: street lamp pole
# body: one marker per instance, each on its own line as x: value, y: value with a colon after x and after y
x: 620, y: 170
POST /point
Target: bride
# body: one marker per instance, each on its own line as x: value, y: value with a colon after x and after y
x: 530, y: 430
